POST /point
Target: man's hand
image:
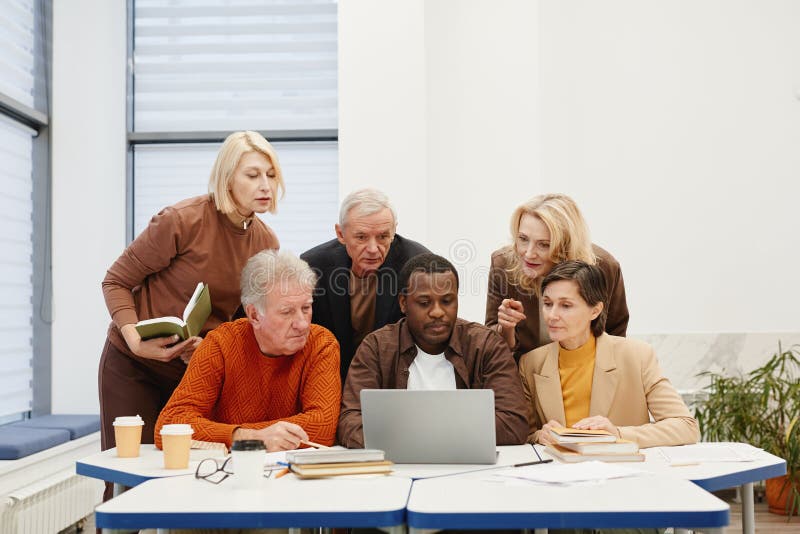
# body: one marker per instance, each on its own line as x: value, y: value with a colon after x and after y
x: 153, y: 349
x: 509, y: 313
x: 188, y: 350
x: 281, y: 436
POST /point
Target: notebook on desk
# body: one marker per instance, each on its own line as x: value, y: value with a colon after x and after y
x: 430, y: 427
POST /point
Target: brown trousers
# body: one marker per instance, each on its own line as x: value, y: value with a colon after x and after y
x: 131, y: 386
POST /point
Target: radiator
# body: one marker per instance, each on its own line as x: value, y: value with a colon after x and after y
x: 50, y: 505
x: 41, y: 494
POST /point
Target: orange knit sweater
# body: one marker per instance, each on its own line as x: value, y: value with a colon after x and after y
x: 229, y: 384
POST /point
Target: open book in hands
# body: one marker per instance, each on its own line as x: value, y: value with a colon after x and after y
x: 195, y: 315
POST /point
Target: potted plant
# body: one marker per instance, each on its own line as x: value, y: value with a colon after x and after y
x: 761, y: 408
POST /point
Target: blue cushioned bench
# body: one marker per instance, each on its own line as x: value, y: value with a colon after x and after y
x: 23, y: 438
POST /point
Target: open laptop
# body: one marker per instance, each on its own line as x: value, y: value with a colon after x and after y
x: 430, y: 427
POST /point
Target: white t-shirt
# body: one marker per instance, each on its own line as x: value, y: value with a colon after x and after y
x: 431, y: 371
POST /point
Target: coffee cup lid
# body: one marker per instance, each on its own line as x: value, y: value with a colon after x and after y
x: 248, y: 445
x: 176, y: 430
x: 128, y: 420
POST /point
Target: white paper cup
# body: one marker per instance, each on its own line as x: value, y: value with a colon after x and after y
x: 176, y: 440
x: 128, y: 435
x: 248, y: 457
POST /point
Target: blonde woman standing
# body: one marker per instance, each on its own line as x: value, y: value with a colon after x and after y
x: 202, y: 239
x: 545, y: 231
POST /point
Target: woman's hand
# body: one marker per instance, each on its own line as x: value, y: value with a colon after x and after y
x: 597, y: 422
x: 545, y: 437
x: 509, y: 313
x: 153, y: 349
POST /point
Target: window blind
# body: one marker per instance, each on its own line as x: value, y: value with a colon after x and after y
x: 166, y: 174
x: 21, y: 75
x: 16, y: 267
x: 204, y: 65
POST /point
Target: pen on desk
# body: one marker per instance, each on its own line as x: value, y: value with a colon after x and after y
x: 284, y: 471
x: 312, y: 444
x: 537, y: 462
x: 684, y: 464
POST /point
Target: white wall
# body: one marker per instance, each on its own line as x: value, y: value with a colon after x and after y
x: 674, y: 125
x: 88, y: 168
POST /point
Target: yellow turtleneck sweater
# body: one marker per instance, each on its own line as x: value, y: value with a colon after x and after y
x: 576, y: 370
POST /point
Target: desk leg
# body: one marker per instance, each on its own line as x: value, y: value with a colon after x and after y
x: 748, y: 509
x: 118, y: 489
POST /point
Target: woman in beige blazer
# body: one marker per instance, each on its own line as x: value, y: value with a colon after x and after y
x: 591, y: 380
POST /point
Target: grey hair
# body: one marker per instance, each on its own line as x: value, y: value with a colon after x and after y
x: 269, y: 268
x: 365, y: 202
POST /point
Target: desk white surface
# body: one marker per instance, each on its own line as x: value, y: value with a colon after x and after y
x: 131, y: 472
x: 474, y: 500
x: 288, y: 502
x: 507, y: 455
x: 150, y: 464
x: 713, y: 476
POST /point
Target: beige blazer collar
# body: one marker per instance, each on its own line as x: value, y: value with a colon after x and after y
x: 548, y: 387
x: 604, y: 382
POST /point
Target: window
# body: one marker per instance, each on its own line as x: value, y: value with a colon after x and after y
x: 24, y: 209
x: 203, y: 69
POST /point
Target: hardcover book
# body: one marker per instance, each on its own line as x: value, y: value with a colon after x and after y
x: 621, y: 446
x: 341, y: 468
x: 565, y: 455
x: 195, y: 315
x: 329, y: 456
x: 563, y: 434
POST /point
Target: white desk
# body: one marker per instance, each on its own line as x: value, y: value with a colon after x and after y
x: 186, y: 502
x: 474, y: 501
x: 507, y: 455
x: 713, y: 476
x: 130, y: 472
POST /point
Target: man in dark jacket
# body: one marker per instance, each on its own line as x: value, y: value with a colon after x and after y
x: 357, y: 288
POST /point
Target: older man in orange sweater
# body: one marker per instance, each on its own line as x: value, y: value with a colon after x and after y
x: 272, y: 376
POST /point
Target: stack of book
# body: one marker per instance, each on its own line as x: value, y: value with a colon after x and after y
x: 317, y: 463
x: 574, y: 445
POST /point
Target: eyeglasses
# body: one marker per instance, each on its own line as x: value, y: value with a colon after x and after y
x: 212, y: 471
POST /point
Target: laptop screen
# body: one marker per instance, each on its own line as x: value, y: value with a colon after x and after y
x: 426, y: 427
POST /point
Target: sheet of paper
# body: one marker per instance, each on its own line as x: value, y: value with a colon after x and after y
x: 709, y: 452
x: 565, y: 474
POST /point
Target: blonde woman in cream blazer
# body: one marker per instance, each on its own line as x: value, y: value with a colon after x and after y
x: 627, y: 384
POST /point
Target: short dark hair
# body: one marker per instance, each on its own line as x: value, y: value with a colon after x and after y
x: 424, y: 263
x: 592, y: 286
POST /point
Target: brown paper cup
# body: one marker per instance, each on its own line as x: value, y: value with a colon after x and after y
x: 129, y: 438
x: 128, y: 435
x: 176, y: 450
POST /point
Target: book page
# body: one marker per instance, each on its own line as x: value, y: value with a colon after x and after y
x: 192, y: 301
x: 709, y: 452
x: 566, y: 474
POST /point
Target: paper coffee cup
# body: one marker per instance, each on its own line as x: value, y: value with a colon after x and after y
x: 128, y: 435
x: 176, y: 440
x: 248, y: 457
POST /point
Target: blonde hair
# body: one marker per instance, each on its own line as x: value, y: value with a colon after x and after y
x: 230, y: 153
x: 569, y: 235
